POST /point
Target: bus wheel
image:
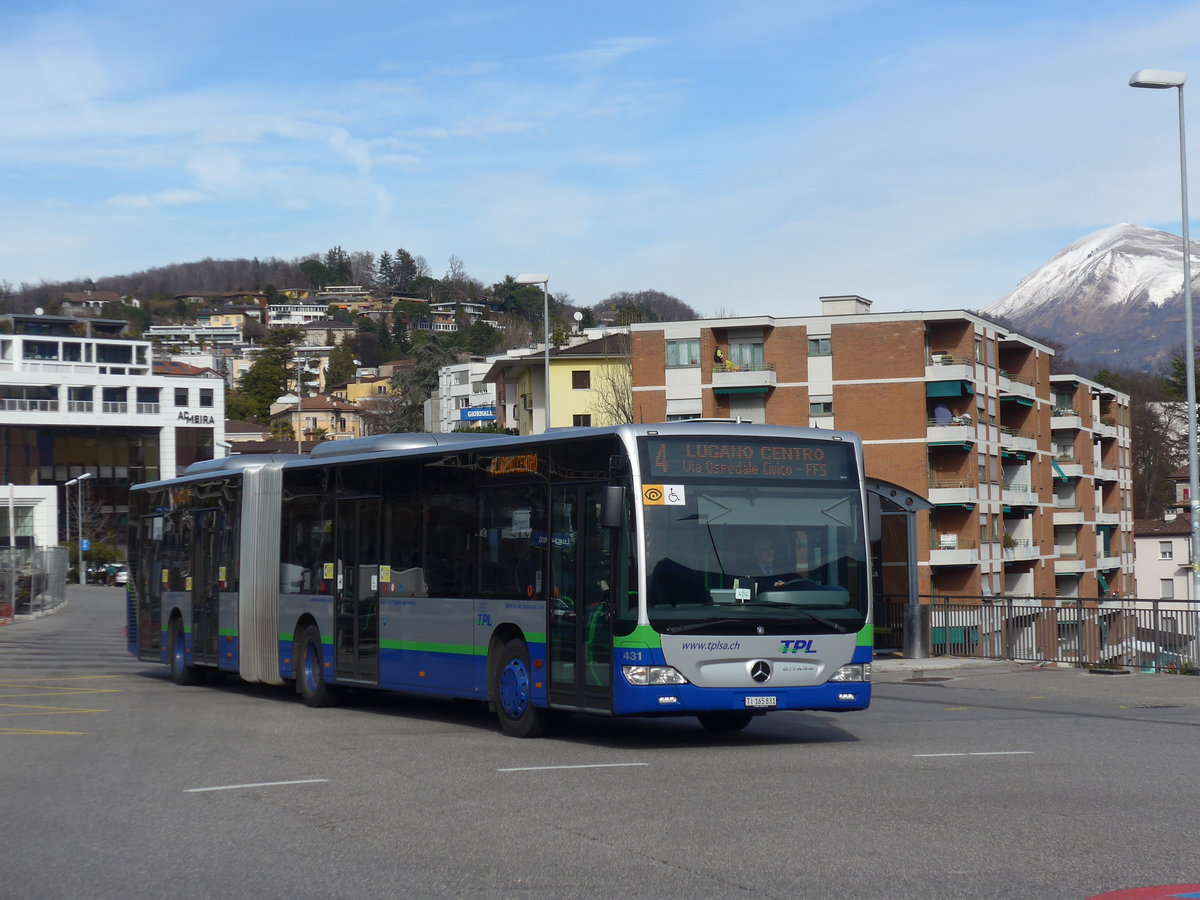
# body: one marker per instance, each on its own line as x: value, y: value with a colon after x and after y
x: 725, y: 720
x: 512, y: 688
x: 311, y: 677
x: 181, y: 672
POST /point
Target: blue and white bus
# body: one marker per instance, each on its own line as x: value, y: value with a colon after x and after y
x: 696, y: 568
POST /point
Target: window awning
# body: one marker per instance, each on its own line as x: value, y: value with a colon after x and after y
x: 753, y: 389
x: 948, y: 389
x: 1103, y: 582
x: 1013, y: 398
x: 1057, y: 468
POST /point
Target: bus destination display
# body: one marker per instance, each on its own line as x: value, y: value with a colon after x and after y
x: 759, y: 459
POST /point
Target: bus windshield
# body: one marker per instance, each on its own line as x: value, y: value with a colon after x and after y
x: 746, y: 554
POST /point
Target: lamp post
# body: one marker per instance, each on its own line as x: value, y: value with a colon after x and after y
x: 544, y: 281
x: 302, y: 365
x: 1159, y: 79
x: 78, y: 482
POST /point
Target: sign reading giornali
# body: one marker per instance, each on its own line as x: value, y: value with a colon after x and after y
x: 750, y: 458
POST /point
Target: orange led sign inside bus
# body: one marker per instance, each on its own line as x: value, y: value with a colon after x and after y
x: 507, y: 465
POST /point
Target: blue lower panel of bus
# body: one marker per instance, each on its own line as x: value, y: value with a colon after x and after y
x: 687, y: 698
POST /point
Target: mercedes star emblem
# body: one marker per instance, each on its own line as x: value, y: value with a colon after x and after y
x: 760, y: 671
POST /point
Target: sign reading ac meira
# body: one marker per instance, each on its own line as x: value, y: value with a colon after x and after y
x: 195, y: 418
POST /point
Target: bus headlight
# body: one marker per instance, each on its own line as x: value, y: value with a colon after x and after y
x: 852, y: 672
x: 652, y: 675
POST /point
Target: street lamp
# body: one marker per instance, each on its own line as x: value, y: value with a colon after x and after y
x: 302, y: 365
x: 544, y: 281
x: 1159, y: 79
x: 78, y: 516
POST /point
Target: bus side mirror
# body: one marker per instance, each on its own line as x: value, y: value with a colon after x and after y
x: 612, y: 506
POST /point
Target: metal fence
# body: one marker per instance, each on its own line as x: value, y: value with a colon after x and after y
x: 32, y: 580
x: 1146, y: 635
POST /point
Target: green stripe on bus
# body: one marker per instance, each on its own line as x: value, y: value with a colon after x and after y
x: 643, y: 637
x: 866, y: 637
x: 228, y: 632
x: 430, y: 647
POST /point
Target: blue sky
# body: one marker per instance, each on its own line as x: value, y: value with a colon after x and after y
x: 744, y: 156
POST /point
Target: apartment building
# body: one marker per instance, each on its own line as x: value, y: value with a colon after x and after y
x: 78, y: 399
x: 1028, y: 473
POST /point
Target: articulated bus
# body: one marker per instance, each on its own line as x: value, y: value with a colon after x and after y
x: 694, y: 568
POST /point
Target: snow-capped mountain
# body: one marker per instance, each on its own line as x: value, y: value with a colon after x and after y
x: 1114, y: 297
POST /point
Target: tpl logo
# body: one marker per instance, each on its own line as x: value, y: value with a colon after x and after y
x: 797, y: 646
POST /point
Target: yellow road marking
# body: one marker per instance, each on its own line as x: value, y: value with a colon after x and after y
x: 955, y: 708
x: 46, y: 710
x: 37, y: 731
x: 3, y: 682
x: 50, y: 692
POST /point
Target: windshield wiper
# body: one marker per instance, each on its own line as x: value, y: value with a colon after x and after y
x: 682, y: 629
x: 828, y: 623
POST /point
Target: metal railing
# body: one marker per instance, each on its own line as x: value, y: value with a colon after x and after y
x: 33, y: 580
x: 1145, y: 635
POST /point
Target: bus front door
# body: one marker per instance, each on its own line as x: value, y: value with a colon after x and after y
x: 206, y: 536
x: 356, y: 591
x: 579, y: 631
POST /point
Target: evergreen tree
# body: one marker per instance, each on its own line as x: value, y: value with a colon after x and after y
x: 267, y: 380
x: 337, y: 262
x: 385, y: 274
x: 412, y: 387
x: 405, y: 268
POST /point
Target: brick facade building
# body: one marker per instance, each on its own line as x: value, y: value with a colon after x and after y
x: 1028, y: 472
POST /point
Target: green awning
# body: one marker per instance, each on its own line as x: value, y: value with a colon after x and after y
x: 1013, y: 398
x: 1057, y: 468
x: 962, y: 445
x: 948, y: 389
x: 1103, y: 582
x: 754, y: 389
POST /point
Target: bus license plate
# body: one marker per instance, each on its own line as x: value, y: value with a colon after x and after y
x: 761, y: 702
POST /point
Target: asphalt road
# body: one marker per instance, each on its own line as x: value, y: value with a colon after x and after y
x: 1001, y: 781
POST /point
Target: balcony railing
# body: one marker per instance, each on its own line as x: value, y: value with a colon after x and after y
x: 148, y: 409
x: 111, y: 407
x: 25, y: 405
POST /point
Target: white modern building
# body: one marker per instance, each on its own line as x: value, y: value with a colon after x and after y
x: 463, y: 399
x: 78, y: 399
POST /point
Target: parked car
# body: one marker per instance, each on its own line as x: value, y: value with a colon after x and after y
x: 122, y: 576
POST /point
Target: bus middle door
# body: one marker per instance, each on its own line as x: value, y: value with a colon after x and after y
x: 580, y: 633
x: 356, y: 591
x: 206, y: 537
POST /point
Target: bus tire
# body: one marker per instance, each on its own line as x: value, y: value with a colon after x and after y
x: 181, y: 672
x: 310, y: 673
x: 725, y: 720
x: 512, y: 690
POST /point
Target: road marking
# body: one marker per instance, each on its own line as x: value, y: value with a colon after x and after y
x: 587, y: 766
x: 979, y: 753
x: 955, y: 708
x: 238, y: 787
x: 44, y: 710
x: 37, y: 731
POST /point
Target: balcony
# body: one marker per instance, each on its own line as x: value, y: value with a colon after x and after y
x: 1108, y: 518
x: 1105, y: 474
x: 1021, y: 550
x: 19, y: 404
x: 949, y: 367
x: 743, y: 379
x: 1108, y: 562
x: 1065, y: 417
x: 115, y: 407
x: 1018, y: 494
x: 1016, y: 386
x: 1068, y: 563
x: 148, y: 409
x: 950, y: 550
x: 1016, y: 439
x: 1105, y: 430
x: 1068, y: 466
x: 952, y: 492
x: 1065, y: 514
x: 958, y: 432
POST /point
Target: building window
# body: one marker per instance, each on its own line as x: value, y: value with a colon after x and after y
x: 682, y: 417
x: 584, y: 421
x: 819, y: 346
x: 181, y: 396
x: 683, y: 353
x: 820, y: 408
x: 1165, y: 550
x: 206, y: 397
x: 1166, y: 588
x: 581, y: 379
x: 747, y: 356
